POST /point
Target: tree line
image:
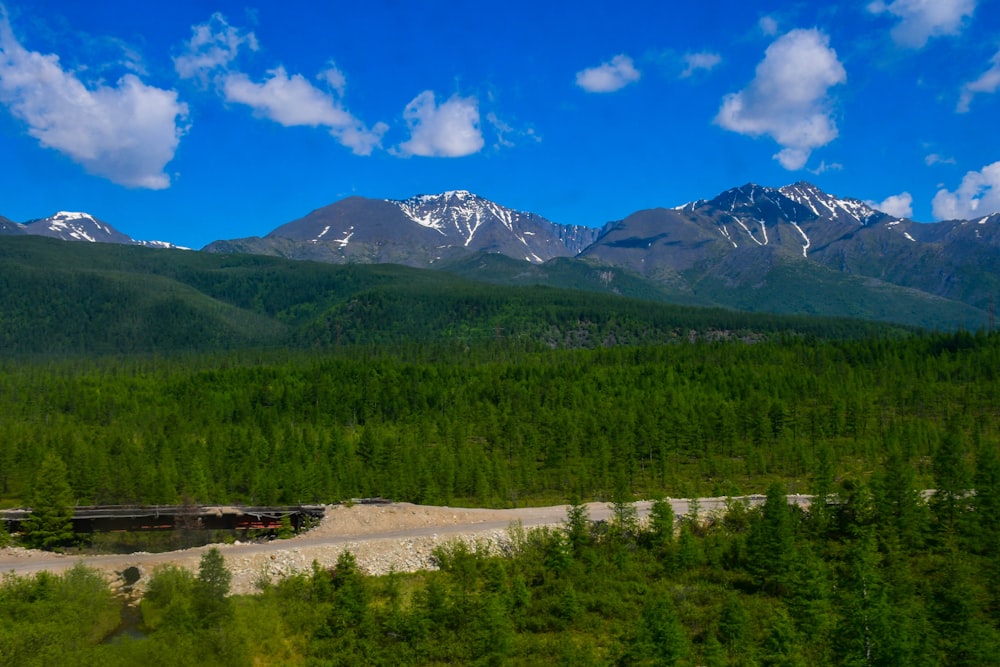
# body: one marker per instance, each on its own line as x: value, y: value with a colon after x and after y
x: 493, y: 424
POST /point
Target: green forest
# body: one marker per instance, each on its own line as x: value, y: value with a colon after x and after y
x: 876, y: 575
x: 494, y: 424
x: 140, y: 378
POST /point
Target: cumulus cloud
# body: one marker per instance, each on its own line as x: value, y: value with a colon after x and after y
x: 703, y: 60
x: 899, y: 206
x: 293, y: 101
x: 919, y: 20
x: 988, y: 82
x: 450, y: 129
x: 126, y: 132
x: 978, y: 195
x: 290, y: 100
x: 788, y: 98
x: 608, y: 77
x: 213, y: 46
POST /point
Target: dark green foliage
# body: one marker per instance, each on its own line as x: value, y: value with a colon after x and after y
x: 662, y: 637
x: 848, y: 597
x: 661, y: 523
x: 73, y: 298
x: 49, y: 620
x: 50, y: 525
x: 499, y: 425
x: 169, y: 600
x: 771, y: 543
x: 211, y: 587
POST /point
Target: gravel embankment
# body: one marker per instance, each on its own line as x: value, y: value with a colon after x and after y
x: 394, y: 537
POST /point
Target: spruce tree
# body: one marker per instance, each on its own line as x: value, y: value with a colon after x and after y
x: 50, y: 525
x: 212, y: 587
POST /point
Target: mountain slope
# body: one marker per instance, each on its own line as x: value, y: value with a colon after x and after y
x: 73, y: 226
x: 420, y: 231
x: 92, y: 298
x: 737, y: 248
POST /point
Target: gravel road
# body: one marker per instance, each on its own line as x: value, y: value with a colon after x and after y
x: 383, y: 538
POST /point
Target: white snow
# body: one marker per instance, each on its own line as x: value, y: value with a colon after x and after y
x: 347, y: 239
x: 71, y: 230
x: 458, y: 210
x: 747, y: 230
x: 72, y: 215
x: 907, y: 235
x: 805, y: 246
x: 725, y: 232
x: 323, y: 233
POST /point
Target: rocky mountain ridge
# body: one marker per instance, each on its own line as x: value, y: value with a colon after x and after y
x: 792, y: 249
x: 75, y: 226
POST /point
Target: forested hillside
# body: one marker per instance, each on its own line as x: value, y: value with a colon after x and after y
x: 59, y: 298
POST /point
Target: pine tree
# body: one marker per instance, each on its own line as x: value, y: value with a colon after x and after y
x: 952, y: 481
x: 212, y: 587
x: 771, y: 543
x: 50, y: 525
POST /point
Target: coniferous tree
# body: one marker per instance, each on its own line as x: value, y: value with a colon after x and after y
x: 211, y: 587
x: 661, y: 522
x: 771, y: 542
x: 952, y: 482
x: 50, y: 525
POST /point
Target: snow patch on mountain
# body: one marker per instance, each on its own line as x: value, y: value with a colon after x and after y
x: 458, y: 211
x: 808, y: 195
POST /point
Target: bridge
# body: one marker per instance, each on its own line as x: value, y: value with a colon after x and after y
x: 107, y: 518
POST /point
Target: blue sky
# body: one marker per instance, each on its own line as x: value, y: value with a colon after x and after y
x: 192, y: 121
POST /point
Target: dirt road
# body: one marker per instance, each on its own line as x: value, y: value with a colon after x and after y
x: 383, y: 538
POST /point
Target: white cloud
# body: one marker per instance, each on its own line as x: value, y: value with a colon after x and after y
x: 608, y: 77
x: 988, y: 82
x: 919, y: 20
x: 126, y: 133
x: 788, y: 98
x: 293, y: 101
x: 703, y: 60
x: 212, y: 46
x: 934, y: 159
x: 290, y: 100
x: 450, y: 129
x: 899, y: 206
x: 507, y: 133
x: 768, y: 26
x: 334, y: 78
x: 979, y: 194
x: 824, y: 167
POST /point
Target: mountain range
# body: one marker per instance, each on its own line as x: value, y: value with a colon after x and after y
x: 72, y: 226
x: 793, y: 249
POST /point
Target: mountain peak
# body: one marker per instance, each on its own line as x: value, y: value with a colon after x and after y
x: 71, y: 215
x: 826, y: 205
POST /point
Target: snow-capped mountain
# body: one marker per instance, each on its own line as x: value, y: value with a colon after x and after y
x: 739, y: 240
x: 75, y: 226
x: 70, y: 226
x: 459, y: 214
x: 743, y: 236
x: 420, y: 231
